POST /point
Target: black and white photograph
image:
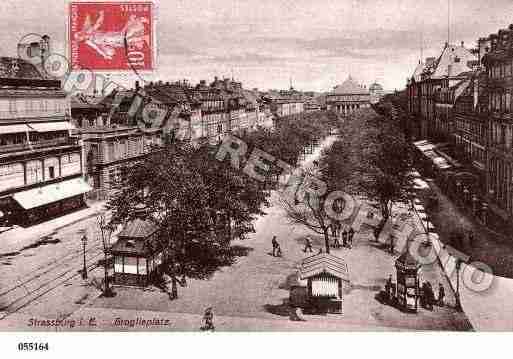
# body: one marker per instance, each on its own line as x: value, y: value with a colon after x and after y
x: 241, y: 166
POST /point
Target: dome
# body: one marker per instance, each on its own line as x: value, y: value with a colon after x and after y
x: 375, y: 87
x: 350, y: 87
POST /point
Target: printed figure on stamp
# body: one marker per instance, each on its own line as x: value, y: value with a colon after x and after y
x: 111, y: 36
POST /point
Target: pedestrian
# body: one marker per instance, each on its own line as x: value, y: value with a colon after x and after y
x: 470, y: 238
x: 278, y: 250
x: 208, y: 319
x: 441, y: 294
x: 337, y: 242
x: 430, y: 296
x: 350, y: 236
x: 308, y: 244
x: 333, y: 229
x: 275, y: 245
x: 344, y: 238
x: 320, y: 251
x: 388, y: 288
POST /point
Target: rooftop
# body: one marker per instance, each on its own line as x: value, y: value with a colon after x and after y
x: 323, y: 263
x: 350, y: 87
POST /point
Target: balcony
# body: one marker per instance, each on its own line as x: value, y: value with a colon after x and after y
x: 36, y: 145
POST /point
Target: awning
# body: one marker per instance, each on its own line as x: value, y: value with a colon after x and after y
x: 52, y: 126
x: 41, y: 196
x: 419, y: 208
x: 14, y: 129
x: 420, y: 184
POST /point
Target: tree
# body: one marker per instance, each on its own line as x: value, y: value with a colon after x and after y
x: 307, y: 209
x: 386, y: 168
x: 189, y: 195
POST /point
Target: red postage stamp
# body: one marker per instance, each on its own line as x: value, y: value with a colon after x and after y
x: 111, y: 36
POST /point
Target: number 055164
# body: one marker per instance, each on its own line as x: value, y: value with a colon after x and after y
x: 31, y: 347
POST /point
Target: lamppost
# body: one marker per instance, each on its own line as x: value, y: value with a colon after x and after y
x: 457, y: 294
x: 474, y: 204
x: 105, y: 232
x: 84, y: 243
x: 466, y: 194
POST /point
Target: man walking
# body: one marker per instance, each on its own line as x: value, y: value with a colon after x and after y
x: 471, y: 238
x: 392, y: 244
x: 441, y: 294
x: 344, y: 238
x: 208, y: 319
x: 275, y: 245
x: 350, y: 237
x: 308, y: 244
x: 337, y: 242
x: 333, y: 229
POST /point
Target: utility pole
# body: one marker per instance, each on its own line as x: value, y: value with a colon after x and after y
x: 448, y: 22
x: 84, y: 243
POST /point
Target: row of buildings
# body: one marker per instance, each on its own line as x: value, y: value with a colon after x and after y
x: 461, y: 102
x: 57, y: 149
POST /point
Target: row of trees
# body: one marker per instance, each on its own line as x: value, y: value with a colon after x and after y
x: 200, y: 203
x: 371, y: 158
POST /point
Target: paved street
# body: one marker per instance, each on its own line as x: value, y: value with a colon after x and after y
x: 255, y: 290
x: 488, y: 247
x: 44, y: 264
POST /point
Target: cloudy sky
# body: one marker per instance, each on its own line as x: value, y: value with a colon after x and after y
x: 316, y: 43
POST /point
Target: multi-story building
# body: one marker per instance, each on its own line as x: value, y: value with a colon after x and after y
x: 286, y: 103
x: 109, y: 149
x: 430, y: 78
x: 498, y: 62
x: 376, y: 92
x: 40, y: 162
x: 348, y: 97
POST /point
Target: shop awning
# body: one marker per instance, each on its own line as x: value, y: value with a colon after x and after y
x: 21, y: 128
x: 52, y: 126
x: 41, y: 196
x: 419, y: 208
x: 323, y: 263
x: 420, y: 184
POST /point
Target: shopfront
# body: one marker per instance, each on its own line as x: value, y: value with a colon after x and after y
x: 43, y: 203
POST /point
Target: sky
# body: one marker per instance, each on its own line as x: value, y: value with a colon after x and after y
x: 315, y: 44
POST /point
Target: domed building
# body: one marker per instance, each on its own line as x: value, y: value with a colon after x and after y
x: 376, y: 92
x: 348, y: 97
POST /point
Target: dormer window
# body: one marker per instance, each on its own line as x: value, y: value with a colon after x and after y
x: 457, y: 59
x: 130, y: 243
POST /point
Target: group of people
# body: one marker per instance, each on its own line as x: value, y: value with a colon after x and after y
x: 427, y: 297
x: 347, y: 235
x: 427, y: 294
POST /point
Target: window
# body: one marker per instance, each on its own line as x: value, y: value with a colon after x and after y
x: 12, y: 106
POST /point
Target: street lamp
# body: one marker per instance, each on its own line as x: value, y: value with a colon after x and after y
x: 457, y: 294
x: 84, y: 243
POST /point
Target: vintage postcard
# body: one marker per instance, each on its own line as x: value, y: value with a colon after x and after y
x: 255, y: 166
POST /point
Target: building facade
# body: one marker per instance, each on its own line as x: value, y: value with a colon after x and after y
x: 109, y: 150
x: 376, y: 92
x: 498, y: 62
x: 40, y: 162
x: 348, y: 97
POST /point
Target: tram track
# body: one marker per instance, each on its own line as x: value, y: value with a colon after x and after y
x: 49, y: 267
x: 46, y: 287
x: 47, y: 277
